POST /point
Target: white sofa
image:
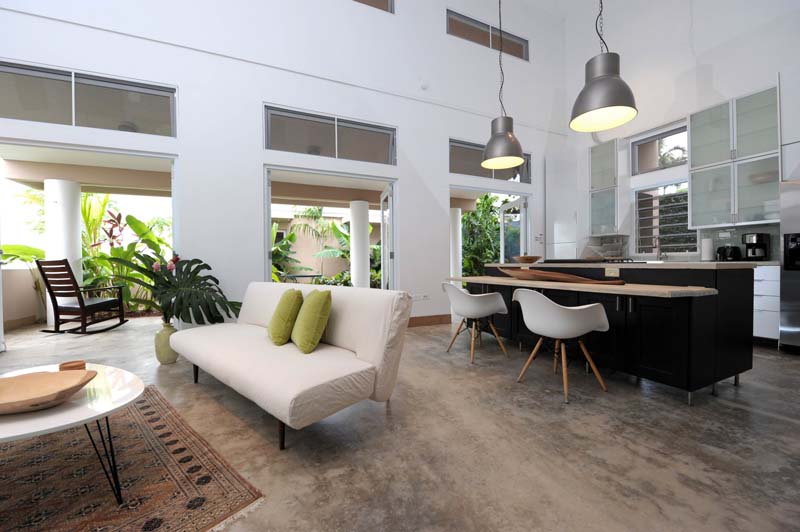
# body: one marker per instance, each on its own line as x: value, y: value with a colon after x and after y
x: 358, y: 358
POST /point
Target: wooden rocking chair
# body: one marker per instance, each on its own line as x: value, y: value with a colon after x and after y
x: 68, y: 299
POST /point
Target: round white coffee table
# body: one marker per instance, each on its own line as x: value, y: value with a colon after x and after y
x: 111, y: 390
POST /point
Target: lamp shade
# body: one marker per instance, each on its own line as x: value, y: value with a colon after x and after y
x: 606, y: 101
x: 503, y: 149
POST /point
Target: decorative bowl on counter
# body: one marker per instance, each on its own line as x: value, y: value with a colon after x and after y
x: 527, y: 259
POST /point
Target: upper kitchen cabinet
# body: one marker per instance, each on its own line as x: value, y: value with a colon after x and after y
x: 739, y: 129
x: 604, y: 212
x: 603, y: 165
x: 757, y: 190
x: 711, y: 197
x: 710, y: 136
x: 757, y: 124
x: 742, y: 193
x: 790, y: 106
x: 791, y: 161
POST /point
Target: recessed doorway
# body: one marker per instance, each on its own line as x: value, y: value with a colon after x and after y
x: 486, y: 227
x: 329, y: 229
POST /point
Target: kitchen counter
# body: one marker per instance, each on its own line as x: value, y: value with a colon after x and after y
x: 652, y: 265
x: 643, y: 290
x: 685, y: 324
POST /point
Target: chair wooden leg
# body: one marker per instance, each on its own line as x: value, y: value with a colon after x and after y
x: 591, y: 363
x: 530, y: 359
x: 458, y: 331
x: 564, y: 371
x: 196, y: 372
x: 281, y: 435
x: 472, y: 343
x: 499, y: 341
x: 555, y: 357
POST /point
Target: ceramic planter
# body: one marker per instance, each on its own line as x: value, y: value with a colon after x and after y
x: 164, y: 352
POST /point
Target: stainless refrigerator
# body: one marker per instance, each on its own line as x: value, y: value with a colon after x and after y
x: 790, y: 263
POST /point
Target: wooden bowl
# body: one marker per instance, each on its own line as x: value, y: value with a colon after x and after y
x: 527, y: 259
x: 43, y: 389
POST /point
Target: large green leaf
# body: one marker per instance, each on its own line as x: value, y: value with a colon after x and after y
x: 187, y: 293
x: 22, y: 253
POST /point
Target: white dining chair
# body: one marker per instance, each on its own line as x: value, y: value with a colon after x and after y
x: 548, y: 319
x: 473, y: 307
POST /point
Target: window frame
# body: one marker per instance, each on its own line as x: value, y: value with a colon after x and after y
x: 449, y: 13
x: 144, y: 88
x: 270, y: 109
x: 390, y: 10
x: 73, y: 77
x: 475, y: 146
x: 637, y: 228
x: 650, y: 136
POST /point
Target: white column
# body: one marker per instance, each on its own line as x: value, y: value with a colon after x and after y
x: 359, y: 243
x: 62, y: 219
x: 455, y: 242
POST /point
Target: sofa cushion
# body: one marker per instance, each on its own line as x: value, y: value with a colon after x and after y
x: 297, y: 389
x: 285, y: 315
x: 311, y: 320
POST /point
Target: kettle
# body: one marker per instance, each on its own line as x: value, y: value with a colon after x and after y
x: 729, y: 252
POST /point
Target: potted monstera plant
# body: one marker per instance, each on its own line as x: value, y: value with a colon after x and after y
x: 181, y: 289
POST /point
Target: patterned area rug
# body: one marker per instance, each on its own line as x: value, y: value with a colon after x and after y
x: 171, y: 478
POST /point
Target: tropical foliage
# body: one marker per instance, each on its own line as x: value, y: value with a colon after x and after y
x: 344, y: 279
x: 342, y: 251
x: 480, y: 231
x: 29, y: 255
x: 283, y: 262
x: 104, y: 240
x: 179, y: 288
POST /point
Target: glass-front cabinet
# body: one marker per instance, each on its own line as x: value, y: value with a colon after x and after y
x: 711, y: 197
x: 735, y: 166
x: 757, y: 190
x: 604, y: 212
x: 603, y: 165
x: 757, y: 123
x: 741, y: 193
x: 710, y: 136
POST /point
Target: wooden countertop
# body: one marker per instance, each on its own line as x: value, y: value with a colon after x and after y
x: 645, y: 290
x: 669, y: 265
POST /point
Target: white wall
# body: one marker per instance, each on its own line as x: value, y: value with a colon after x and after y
x: 678, y: 56
x: 336, y: 57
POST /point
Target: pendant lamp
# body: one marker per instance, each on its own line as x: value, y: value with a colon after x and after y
x: 503, y: 149
x: 606, y: 101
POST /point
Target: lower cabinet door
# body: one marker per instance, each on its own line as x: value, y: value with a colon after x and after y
x: 609, y: 348
x: 766, y: 324
x: 659, y: 339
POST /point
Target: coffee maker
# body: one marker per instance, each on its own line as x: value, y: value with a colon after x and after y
x: 756, y: 246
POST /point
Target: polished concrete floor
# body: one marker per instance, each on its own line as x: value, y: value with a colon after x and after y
x: 465, y: 448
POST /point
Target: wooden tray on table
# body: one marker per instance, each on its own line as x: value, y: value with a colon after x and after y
x: 539, y: 275
x: 36, y: 391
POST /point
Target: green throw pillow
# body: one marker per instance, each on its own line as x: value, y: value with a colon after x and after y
x: 282, y: 322
x: 311, y: 320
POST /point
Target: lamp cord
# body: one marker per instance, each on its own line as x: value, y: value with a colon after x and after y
x: 500, y: 57
x: 598, y: 27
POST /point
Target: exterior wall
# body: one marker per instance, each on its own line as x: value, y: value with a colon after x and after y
x: 21, y: 303
x: 305, y: 247
x: 678, y: 57
x: 427, y: 84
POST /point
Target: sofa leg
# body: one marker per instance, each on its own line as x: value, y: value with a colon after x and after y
x: 281, y: 435
x: 196, y: 372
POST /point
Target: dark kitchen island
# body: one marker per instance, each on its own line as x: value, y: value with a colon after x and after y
x: 687, y: 325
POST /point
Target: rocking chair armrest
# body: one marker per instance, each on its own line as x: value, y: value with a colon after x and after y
x: 100, y: 288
